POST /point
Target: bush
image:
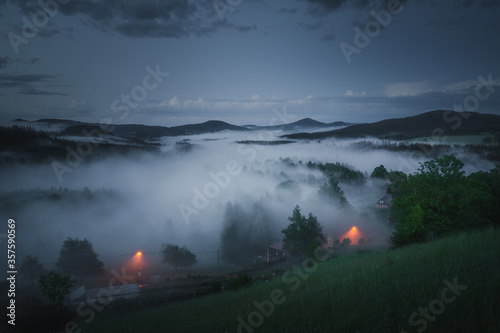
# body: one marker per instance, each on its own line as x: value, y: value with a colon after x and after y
x: 346, y: 242
x: 241, y: 281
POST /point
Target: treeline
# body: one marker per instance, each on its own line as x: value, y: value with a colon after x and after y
x: 489, y: 151
x: 27, y: 145
x: 340, y: 172
x: 440, y: 200
x: 15, y: 200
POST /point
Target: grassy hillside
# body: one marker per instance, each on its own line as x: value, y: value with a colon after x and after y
x: 363, y: 292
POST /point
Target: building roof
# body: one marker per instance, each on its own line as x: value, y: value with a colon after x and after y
x: 385, y: 200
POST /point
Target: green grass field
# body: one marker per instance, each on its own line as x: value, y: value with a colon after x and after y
x: 377, y: 291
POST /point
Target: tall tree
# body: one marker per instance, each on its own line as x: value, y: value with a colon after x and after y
x: 77, y: 257
x: 236, y: 244
x: 177, y: 256
x: 301, y: 233
x: 261, y: 230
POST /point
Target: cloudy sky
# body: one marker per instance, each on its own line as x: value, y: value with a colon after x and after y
x: 177, y: 61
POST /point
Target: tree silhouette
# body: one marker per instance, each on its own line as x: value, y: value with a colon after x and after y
x: 301, y: 233
x: 177, y: 256
x: 77, y: 257
x: 332, y: 192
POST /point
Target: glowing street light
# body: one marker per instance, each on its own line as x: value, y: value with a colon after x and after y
x: 139, y: 255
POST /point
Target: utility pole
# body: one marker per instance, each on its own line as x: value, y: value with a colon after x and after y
x: 218, y: 259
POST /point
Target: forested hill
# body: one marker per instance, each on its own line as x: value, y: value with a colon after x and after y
x: 433, y: 123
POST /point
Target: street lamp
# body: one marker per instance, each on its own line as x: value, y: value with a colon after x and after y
x: 139, y: 255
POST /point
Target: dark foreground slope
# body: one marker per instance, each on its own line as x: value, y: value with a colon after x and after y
x: 451, y: 285
x: 434, y: 123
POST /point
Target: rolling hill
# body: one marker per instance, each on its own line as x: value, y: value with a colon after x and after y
x: 302, y: 124
x: 145, y: 132
x: 152, y: 132
x: 433, y: 123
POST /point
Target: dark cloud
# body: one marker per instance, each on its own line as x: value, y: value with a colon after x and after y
x: 324, y: 7
x: 36, y: 91
x: 145, y: 18
x: 6, y: 61
x: 27, y: 84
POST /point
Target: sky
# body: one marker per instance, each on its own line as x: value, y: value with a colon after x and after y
x: 176, y: 62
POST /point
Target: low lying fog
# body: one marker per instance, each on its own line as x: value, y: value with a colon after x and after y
x: 154, y: 198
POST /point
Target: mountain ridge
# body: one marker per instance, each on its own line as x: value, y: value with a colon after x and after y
x: 156, y: 131
x: 428, y: 124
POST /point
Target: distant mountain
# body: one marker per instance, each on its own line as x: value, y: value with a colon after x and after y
x: 300, y: 125
x: 433, y: 123
x: 145, y: 132
x: 151, y: 132
x: 47, y: 124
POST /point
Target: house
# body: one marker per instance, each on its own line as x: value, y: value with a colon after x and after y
x: 383, y: 203
x: 275, y: 251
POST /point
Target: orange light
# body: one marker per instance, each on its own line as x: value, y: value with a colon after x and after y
x: 139, y: 253
x: 353, y: 228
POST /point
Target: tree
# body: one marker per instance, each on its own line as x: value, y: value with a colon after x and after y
x: 380, y: 172
x: 346, y: 242
x: 31, y: 269
x: 77, y: 257
x: 332, y: 192
x: 177, y: 256
x: 236, y: 246
x: 301, y: 232
x: 245, y: 236
x: 260, y: 229
x: 396, y: 178
x: 54, y: 287
x: 440, y: 200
